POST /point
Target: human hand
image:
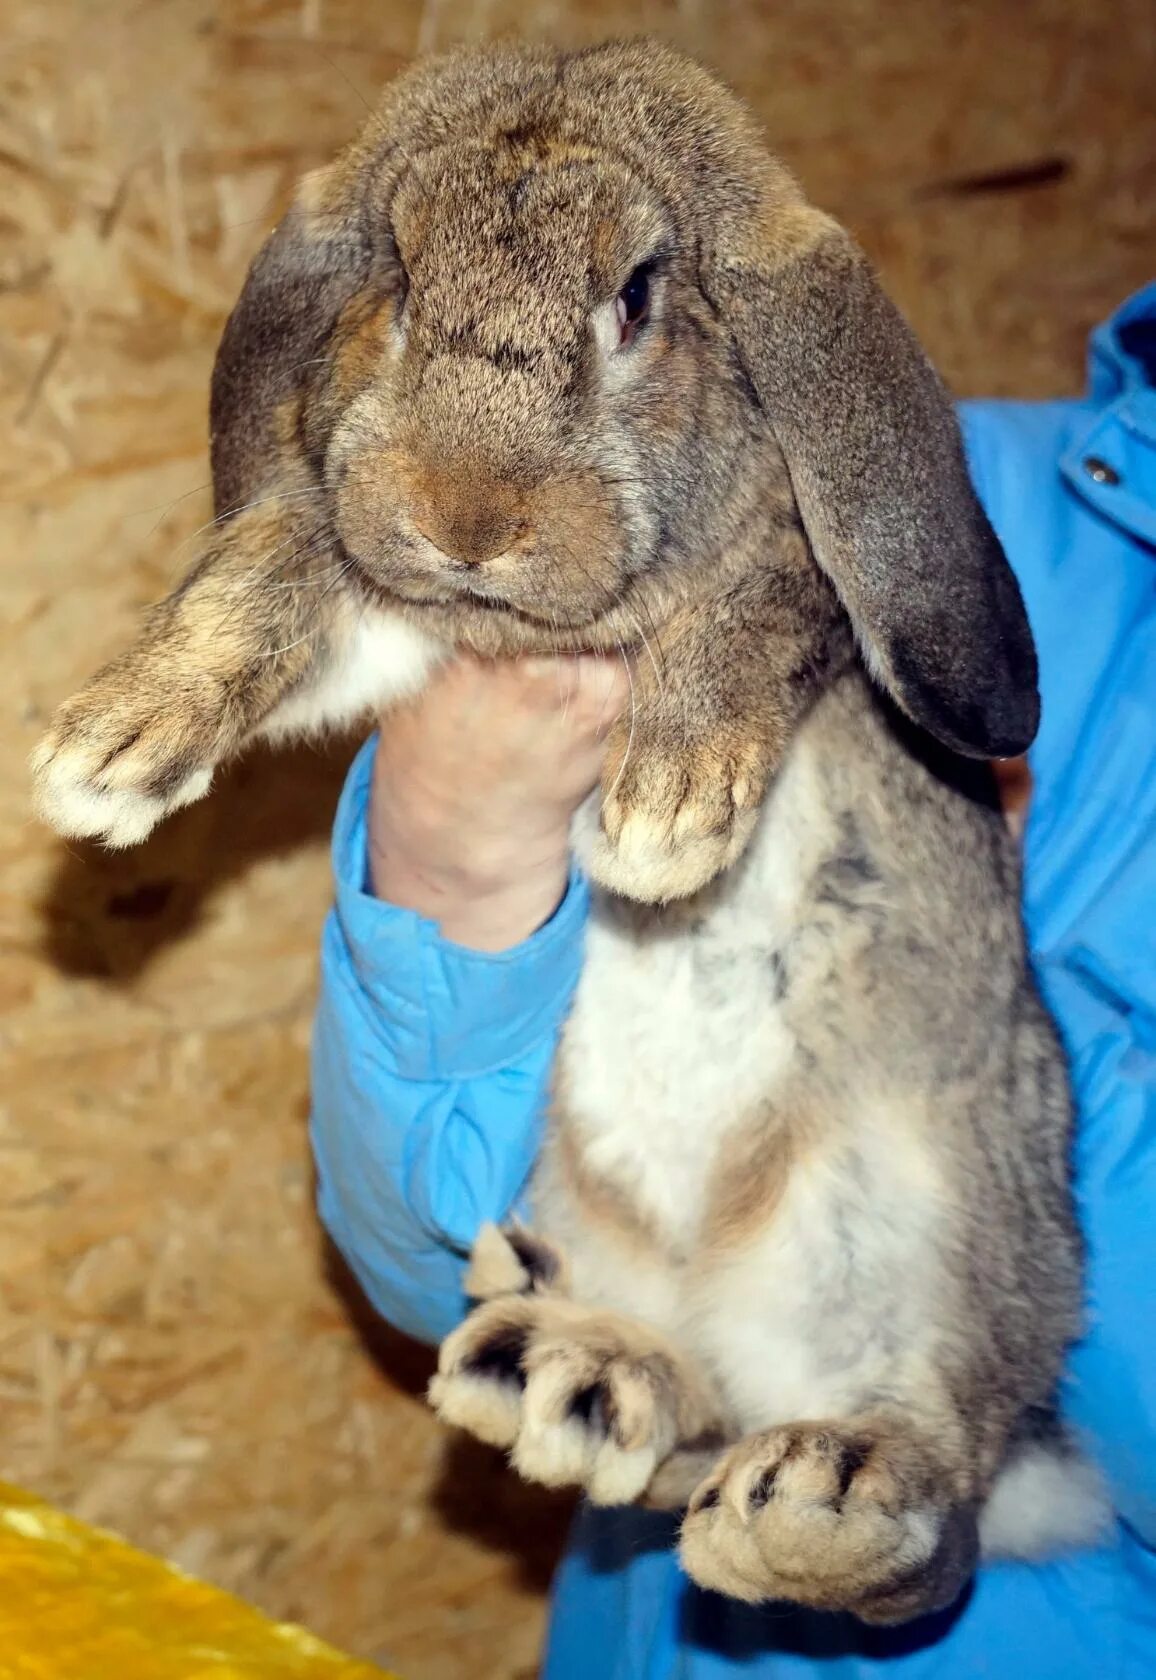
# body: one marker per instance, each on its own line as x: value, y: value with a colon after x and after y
x: 475, y: 784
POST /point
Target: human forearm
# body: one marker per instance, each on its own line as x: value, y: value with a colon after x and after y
x: 430, y: 1066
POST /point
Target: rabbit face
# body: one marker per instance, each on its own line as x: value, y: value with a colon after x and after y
x: 567, y: 350
x: 540, y: 411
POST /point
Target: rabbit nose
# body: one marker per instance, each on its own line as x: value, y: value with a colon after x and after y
x: 471, y: 540
x: 467, y: 521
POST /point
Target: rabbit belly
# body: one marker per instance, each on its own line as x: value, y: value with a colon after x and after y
x: 828, y: 1295
x: 676, y: 1034
x: 833, y: 1302
x: 678, y: 1048
x: 675, y: 1038
x: 668, y: 1047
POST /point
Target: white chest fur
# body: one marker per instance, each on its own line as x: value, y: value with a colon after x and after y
x: 674, y: 1036
x: 670, y: 1043
x: 373, y: 659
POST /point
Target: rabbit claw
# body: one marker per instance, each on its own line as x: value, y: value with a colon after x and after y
x: 674, y: 818
x: 578, y: 1398
x: 116, y: 762
x: 830, y: 1516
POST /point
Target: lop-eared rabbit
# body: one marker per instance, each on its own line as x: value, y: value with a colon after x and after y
x: 556, y: 356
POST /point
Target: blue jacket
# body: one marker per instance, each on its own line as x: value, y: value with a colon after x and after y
x: 430, y: 1065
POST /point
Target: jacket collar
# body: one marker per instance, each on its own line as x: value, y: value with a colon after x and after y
x: 1110, y: 461
x: 1122, y: 350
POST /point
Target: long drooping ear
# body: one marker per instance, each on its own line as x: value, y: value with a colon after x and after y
x: 877, y: 467
x: 321, y: 253
x: 312, y: 264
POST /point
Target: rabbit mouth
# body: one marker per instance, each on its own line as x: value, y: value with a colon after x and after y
x: 466, y: 611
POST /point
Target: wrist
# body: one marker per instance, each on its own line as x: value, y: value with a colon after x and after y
x: 491, y: 900
x: 495, y: 917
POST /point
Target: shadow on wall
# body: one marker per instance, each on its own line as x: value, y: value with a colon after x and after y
x: 106, y: 915
x: 476, y: 1494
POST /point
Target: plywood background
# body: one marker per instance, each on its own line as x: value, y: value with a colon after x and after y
x: 175, y: 1357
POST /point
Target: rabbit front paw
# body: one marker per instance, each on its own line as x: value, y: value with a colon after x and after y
x: 829, y: 1516
x: 579, y: 1398
x: 674, y: 815
x: 120, y: 756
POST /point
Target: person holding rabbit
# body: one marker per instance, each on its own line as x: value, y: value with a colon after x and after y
x: 733, y: 1162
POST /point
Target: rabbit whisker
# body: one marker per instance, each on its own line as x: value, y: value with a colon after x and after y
x: 313, y: 582
x: 243, y: 582
x: 311, y: 361
x: 165, y: 508
x: 659, y: 673
x: 602, y: 711
x: 310, y: 635
x: 630, y: 735
x: 302, y: 493
x: 223, y: 518
x: 376, y: 119
x: 261, y: 568
x: 644, y: 606
x: 566, y: 687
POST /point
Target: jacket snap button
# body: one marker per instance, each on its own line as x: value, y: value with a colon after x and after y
x: 1100, y: 471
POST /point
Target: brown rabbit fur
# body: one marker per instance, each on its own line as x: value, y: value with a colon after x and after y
x: 804, y: 1192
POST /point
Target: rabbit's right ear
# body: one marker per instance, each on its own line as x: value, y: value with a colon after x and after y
x: 309, y: 268
x: 878, y: 472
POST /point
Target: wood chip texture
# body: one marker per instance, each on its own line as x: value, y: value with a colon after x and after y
x: 178, y: 1358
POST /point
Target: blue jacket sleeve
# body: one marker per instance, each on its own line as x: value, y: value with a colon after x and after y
x: 430, y: 1066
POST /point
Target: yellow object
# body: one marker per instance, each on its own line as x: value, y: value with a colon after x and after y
x: 78, y: 1604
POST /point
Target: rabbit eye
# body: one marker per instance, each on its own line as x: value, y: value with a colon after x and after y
x: 394, y: 273
x: 400, y: 286
x: 634, y: 303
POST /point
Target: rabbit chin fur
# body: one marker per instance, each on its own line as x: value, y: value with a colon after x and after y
x: 376, y: 659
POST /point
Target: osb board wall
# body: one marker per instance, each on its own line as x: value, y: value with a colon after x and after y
x: 175, y: 1359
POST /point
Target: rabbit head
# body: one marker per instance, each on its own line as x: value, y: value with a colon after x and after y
x: 555, y: 328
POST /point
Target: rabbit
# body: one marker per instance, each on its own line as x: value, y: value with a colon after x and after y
x: 556, y: 356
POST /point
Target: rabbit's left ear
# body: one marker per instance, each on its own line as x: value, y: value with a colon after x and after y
x: 877, y: 468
